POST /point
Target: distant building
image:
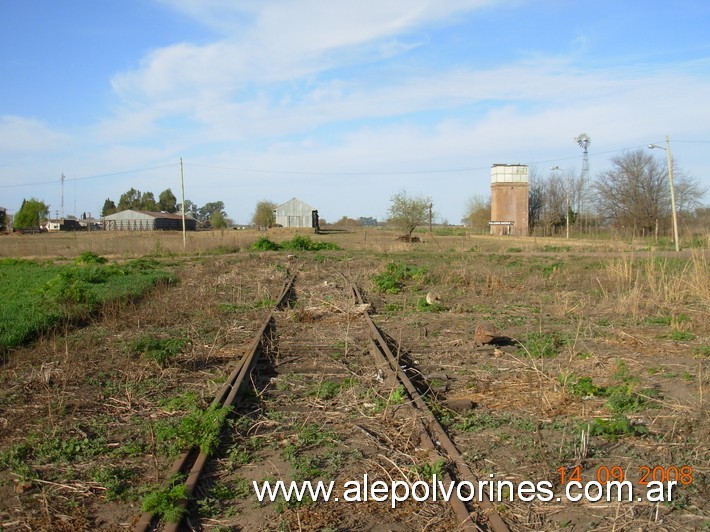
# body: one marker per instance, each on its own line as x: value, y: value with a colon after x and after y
x: 295, y: 213
x: 509, y: 199
x: 130, y: 220
x: 63, y: 224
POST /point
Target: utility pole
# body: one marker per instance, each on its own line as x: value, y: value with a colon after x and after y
x: 670, y: 179
x: 62, y: 180
x: 182, y: 187
x: 430, y: 215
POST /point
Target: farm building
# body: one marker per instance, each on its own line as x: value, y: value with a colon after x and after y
x: 295, y: 213
x: 130, y: 220
x: 63, y: 224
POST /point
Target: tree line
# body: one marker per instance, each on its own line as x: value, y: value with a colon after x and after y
x: 634, y: 193
x: 211, y: 214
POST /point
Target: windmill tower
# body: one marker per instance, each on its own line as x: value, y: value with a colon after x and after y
x: 583, y: 141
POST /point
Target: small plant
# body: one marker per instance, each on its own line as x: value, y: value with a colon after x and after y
x: 391, y: 308
x: 304, y: 243
x: 423, y: 306
x: 264, y: 244
x: 584, y: 387
x: 115, y: 480
x: 166, y: 501
x: 615, y: 428
x: 198, y: 428
x: 398, y: 396
x: 89, y: 257
x: 393, y: 279
x: 681, y: 336
x: 428, y: 470
x: 702, y: 351
x: 326, y: 390
x: 543, y: 345
x: 474, y: 422
x: 159, y: 350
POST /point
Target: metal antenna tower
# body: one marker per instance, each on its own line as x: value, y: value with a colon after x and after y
x: 583, y: 141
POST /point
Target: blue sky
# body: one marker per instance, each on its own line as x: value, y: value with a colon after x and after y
x: 341, y: 104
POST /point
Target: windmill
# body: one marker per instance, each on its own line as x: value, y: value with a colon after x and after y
x: 583, y: 141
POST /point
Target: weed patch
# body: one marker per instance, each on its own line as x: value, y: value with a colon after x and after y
x: 165, y: 502
x: 197, y: 428
x: 615, y: 428
x: 297, y: 243
x: 160, y: 350
x: 543, y: 344
x: 393, y: 279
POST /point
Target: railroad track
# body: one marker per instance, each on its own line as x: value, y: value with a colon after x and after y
x: 322, y: 375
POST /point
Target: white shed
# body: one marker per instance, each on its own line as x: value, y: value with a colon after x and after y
x: 132, y: 220
x: 295, y: 213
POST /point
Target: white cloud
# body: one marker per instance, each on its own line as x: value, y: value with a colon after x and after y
x: 26, y: 136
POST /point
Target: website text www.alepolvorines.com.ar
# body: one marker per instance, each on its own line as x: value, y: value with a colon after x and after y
x: 398, y: 491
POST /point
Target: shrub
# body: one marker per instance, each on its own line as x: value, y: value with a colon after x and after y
x: 393, y: 279
x: 264, y: 244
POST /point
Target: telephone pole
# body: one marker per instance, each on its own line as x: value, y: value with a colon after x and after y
x: 182, y: 187
x: 62, y: 180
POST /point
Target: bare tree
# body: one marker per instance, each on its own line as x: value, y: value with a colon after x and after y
x: 407, y: 212
x: 635, y: 192
x: 536, y: 193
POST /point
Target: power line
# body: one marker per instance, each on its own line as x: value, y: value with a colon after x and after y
x: 98, y: 176
x: 336, y: 173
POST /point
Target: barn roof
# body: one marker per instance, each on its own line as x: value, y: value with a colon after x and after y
x: 164, y: 215
x: 302, y: 205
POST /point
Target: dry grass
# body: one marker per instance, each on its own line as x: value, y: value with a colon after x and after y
x: 638, y: 286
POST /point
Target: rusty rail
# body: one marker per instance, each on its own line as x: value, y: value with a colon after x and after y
x: 431, y: 430
x: 224, y: 398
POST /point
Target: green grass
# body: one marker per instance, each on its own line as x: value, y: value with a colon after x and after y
x: 395, y: 276
x: 160, y: 350
x: 35, y: 295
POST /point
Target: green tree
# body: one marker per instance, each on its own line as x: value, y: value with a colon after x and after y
x: 478, y: 213
x: 264, y: 214
x: 218, y: 220
x: 167, y: 202
x: 190, y: 208
x: 407, y: 212
x: 108, y: 208
x: 148, y: 202
x: 130, y: 200
x: 205, y: 212
x: 32, y: 214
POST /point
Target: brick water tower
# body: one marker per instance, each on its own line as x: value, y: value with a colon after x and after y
x: 509, y: 199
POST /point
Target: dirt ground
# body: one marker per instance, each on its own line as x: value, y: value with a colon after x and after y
x: 598, y: 365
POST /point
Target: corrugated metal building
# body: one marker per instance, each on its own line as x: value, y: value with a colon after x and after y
x: 130, y: 220
x: 295, y: 213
